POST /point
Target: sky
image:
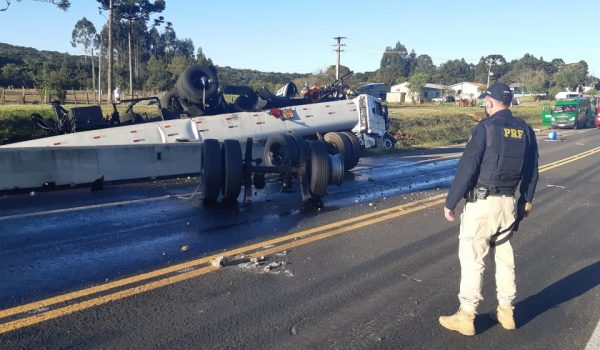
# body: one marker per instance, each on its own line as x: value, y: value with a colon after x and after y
x: 297, y: 36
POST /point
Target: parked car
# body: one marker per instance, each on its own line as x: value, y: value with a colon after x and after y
x: 443, y: 99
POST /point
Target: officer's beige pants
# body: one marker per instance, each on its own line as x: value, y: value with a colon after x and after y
x: 479, y: 221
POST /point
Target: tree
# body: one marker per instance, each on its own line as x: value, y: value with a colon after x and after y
x: 11, y: 75
x: 424, y: 63
x: 490, y: 66
x: 571, y: 76
x: 416, y: 83
x: 202, y: 59
x: 394, y: 63
x: 535, y: 81
x: 61, y: 4
x: 158, y: 77
x: 137, y: 10
x: 85, y: 34
x: 455, y: 71
x: 330, y: 73
x: 107, y: 5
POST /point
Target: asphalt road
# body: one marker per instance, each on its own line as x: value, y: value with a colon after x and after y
x: 374, y: 268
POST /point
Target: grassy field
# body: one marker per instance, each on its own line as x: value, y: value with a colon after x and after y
x: 15, y: 123
x: 431, y: 125
x: 414, y: 126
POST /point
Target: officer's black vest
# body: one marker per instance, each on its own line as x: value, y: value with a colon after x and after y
x: 506, y: 146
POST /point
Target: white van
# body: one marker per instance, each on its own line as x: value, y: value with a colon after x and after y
x: 567, y: 94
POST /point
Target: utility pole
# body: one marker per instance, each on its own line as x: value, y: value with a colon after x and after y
x: 110, y: 52
x: 100, y: 71
x: 338, y: 49
x: 490, y: 62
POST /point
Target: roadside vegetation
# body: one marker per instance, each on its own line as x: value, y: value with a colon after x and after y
x: 431, y: 125
x: 16, y: 125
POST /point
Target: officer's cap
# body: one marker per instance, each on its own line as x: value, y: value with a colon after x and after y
x: 500, y: 92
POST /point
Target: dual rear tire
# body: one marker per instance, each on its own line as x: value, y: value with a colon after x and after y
x: 221, y: 169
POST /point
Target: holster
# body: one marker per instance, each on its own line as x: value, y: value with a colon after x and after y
x: 478, y: 193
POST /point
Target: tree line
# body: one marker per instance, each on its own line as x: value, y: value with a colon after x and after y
x: 138, y: 49
x: 535, y: 75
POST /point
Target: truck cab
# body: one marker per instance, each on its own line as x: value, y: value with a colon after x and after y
x: 571, y: 113
x: 596, y: 111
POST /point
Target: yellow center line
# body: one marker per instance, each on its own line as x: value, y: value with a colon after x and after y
x: 28, y: 321
x: 171, y: 269
x: 298, y: 239
x: 345, y: 229
x: 568, y: 160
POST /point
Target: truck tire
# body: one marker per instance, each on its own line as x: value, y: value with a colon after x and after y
x: 210, y: 170
x: 170, y: 104
x: 336, y: 170
x: 388, y: 142
x: 356, y: 147
x: 300, y: 145
x: 343, y: 146
x: 231, y: 169
x: 245, y: 102
x: 281, y: 150
x: 319, y: 169
x: 197, y: 81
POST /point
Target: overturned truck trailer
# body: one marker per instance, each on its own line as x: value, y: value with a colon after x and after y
x: 313, y: 143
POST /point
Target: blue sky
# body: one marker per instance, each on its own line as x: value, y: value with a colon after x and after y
x: 286, y: 36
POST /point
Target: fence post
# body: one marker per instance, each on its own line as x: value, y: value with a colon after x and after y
x: 3, y: 95
x: 75, y: 95
x: 87, y: 97
x: 23, y: 98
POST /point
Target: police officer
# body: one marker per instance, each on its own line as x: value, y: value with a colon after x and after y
x: 500, y: 156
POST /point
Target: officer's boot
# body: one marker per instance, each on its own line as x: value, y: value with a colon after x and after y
x: 463, y: 322
x: 505, y: 317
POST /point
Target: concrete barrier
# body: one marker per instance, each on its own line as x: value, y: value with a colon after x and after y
x: 24, y: 168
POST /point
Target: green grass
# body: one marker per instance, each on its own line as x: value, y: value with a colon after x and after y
x: 430, y: 125
x: 15, y: 123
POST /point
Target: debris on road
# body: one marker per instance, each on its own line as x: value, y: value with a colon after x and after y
x: 412, y: 278
x: 185, y: 248
x: 218, y: 261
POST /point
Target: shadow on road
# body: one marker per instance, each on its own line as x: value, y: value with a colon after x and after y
x: 557, y: 293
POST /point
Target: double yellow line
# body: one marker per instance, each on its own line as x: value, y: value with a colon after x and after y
x: 567, y: 160
x: 43, y: 310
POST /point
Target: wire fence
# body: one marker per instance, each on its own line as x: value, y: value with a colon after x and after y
x: 35, y: 96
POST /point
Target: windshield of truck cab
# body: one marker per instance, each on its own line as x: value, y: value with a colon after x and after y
x: 565, y: 109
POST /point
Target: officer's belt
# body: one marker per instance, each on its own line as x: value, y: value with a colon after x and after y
x: 496, y: 191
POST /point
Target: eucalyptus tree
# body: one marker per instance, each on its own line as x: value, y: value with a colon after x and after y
x: 137, y: 11
x: 85, y: 34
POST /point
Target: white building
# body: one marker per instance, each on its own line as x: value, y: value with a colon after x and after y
x: 467, y: 90
x: 402, y: 93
